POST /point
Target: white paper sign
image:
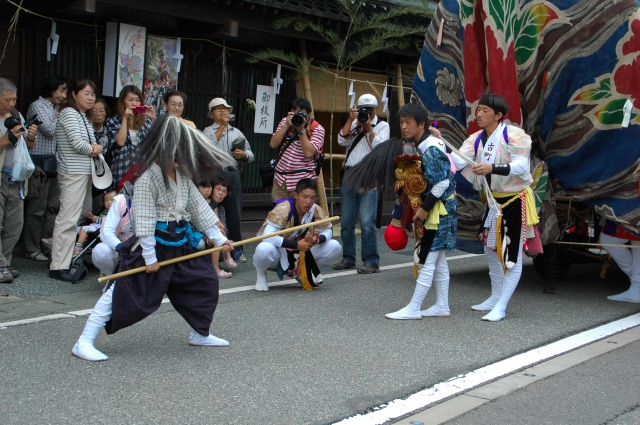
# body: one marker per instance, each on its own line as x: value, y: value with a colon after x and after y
x: 265, y: 110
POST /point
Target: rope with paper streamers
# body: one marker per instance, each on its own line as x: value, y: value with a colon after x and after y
x: 14, y: 21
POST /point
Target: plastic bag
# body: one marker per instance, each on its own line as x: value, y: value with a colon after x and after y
x: 23, y: 166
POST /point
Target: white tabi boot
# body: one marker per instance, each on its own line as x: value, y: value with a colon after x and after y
x: 261, y: 281
x: 98, y: 318
x: 412, y: 310
x: 499, y: 310
x: 496, y: 275
x: 206, y: 341
x: 631, y: 295
x: 441, y: 307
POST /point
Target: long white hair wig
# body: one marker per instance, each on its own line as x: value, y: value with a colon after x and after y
x: 171, y: 142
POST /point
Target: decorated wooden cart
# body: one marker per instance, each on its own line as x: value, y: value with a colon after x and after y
x: 570, y: 70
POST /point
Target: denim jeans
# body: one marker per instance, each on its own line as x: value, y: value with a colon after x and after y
x: 365, y: 205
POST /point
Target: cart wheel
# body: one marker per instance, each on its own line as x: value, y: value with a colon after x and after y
x: 551, y: 268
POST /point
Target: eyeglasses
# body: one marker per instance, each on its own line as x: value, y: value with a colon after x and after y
x: 9, y: 99
x: 176, y: 105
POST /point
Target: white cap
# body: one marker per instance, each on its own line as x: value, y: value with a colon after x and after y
x: 368, y: 101
x: 100, y: 173
x: 218, y: 101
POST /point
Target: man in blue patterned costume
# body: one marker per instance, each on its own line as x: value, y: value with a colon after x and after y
x: 433, y: 213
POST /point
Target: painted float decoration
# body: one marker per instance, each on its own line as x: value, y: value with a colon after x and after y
x: 570, y: 71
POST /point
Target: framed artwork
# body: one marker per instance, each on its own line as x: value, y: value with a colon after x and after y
x: 124, y: 57
x: 161, y: 69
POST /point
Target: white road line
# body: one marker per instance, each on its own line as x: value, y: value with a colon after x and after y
x: 463, y: 383
x: 87, y: 312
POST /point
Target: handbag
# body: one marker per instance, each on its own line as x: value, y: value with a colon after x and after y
x: 48, y: 163
x: 266, y: 174
x: 267, y: 171
x: 36, y: 184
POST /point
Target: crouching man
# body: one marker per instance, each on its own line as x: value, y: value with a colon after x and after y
x: 299, y: 253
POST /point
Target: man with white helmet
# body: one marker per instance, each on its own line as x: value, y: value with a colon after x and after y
x: 362, y: 132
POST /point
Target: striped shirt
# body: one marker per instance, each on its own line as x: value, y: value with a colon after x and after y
x: 153, y: 202
x: 75, y: 137
x: 293, y: 166
x: 381, y: 131
x: 46, y: 135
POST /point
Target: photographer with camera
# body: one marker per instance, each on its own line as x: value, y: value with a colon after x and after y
x: 11, y: 192
x: 232, y: 141
x: 40, y: 213
x: 300, y: 140
x: 126, y: 130
x: 362, y: 132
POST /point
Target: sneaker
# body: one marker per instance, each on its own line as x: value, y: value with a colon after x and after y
x: 242, y: 259
x: 64, y: 275
x: 15, y: 273
x: 77, y: 249
x: 36, y: 256
x: 47, y: 243
x: 224, y: 274
x: 368, y: 269
x: 5, y: 275
x: 343, y: 265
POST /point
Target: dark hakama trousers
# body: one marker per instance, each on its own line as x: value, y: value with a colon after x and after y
x: 191, y: 286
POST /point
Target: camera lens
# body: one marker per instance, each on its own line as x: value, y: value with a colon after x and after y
x: 297, y: 119
x: 363, y: 115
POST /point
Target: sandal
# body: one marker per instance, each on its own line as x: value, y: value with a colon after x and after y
x: 224, y: 275
x: 36, y: 256
x: 230, y: 263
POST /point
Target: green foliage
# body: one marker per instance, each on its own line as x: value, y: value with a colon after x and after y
x: 367, y: 32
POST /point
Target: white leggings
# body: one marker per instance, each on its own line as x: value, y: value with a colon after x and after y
x: 104, y: 258
x: 268, y: 256
x: 628, y: 259
x: 435, y: 268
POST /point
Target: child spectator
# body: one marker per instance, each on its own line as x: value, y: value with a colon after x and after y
x: 116, y: 228
x: 84, y: 231
x: 214, y: 192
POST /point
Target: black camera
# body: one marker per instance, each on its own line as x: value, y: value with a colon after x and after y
x: 363, y: 114
x: 13, y: 121
x: 299, y: 118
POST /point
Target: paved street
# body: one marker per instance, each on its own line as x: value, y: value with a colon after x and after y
x: 295, y: 356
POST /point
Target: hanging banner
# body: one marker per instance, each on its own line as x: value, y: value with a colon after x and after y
x: 161, y: 69
x: 265, y: 110
x: 124, y: 57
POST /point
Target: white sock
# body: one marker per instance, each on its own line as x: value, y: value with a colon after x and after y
x: 631, y: 295
x: 261, y: 280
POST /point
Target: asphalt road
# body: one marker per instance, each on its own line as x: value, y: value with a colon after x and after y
x: 295, y: 356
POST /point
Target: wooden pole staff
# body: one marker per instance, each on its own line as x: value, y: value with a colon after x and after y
x: 218, y: 248
x: 594, y: 244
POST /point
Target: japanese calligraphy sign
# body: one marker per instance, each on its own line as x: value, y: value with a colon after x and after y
x: 265, y: 109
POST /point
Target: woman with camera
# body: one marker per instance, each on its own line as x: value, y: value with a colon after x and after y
x: 76, y: 147
x: 127, y: 129
x: 230, y: 140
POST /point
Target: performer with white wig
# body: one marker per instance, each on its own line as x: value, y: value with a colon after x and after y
x: 165, y: 203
